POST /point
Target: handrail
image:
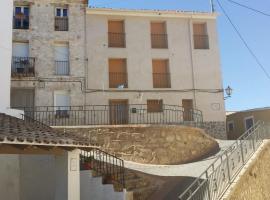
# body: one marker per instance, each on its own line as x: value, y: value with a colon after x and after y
x: 219, y: 175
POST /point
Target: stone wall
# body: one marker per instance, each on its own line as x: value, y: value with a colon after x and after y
x: 254, y: 183
x: 152, y: 144
x: 42, y: 38
x: 216, y: 129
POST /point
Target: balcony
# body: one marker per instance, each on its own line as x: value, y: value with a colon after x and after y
x: 201, y: 41
x: 23, y: 67
x: 118, y: 79
x: 161, y: 80
x: 61, y: 24
x: 62, y: 68
x: 159, y: 41
x: 117, y: 40
x: 21, y: 21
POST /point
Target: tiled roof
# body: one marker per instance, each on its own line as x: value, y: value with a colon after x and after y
x: 30, y: 132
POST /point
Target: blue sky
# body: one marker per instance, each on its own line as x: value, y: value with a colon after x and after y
x: 240, y: 71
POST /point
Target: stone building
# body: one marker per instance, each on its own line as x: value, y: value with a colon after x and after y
x: 132, y: 64
x: 48, y: 63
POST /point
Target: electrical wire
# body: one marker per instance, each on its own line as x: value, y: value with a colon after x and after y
x: 249, y: 8
x: 245, y: 43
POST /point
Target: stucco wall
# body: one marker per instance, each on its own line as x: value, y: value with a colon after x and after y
x: 254, y: 183
x: 239, y: 123
x: 139, y: 55
x: 42, y: 37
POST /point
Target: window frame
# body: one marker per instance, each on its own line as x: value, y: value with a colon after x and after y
x: 61, y: 11
x: 205, y: 34
x: 247, y: 118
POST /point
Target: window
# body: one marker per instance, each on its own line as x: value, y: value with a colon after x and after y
x: 230, y: 126
x: 154, y: 105
x: 116, y: 34
x: 200, y: 36
x: 21, y: 17
x: 118, y: 73
x: 249, y: 122
x: 61, y: 103
x: 158, y: 35
x: 22, y: 64
x: 61, y: 53
x: 61, y: 19
x: 161, y: 75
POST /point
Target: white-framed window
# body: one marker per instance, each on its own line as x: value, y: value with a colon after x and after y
x: 21, y: 17
x: 61, y: 56
x: 248, y: 122
x: 230, y: 126
x: 61, y: 12
x: 21, y: 10
x: 61, y: 100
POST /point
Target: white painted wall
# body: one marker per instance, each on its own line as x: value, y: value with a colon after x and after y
x: 93, y: 189
x: 6, y: 12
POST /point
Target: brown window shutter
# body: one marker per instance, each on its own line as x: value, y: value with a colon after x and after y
x: 161, y: 75
x: 117, y: 73
x: 116, y: 26
x: 158, y: 28
x: 116, y: 34
x: 154, y: 105
x: 200, y: 36
x: 158, y: 35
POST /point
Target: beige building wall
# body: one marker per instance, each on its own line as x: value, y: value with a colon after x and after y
x: 238, y: 120
x: 185, y: 63
x: 42, y: 37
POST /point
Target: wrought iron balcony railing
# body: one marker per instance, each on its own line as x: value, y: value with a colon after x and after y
x: 23, y: 66
x: 117, y: 39
x: 201, y: 41
x: 62, y: 68
x: 61, y: 23
x: 161, y: 80
x: 21, y: 21
x: 159, y: 41
x: 111, y: 114
x: 117, y: 79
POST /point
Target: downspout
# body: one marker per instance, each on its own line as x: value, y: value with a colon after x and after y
x: 192, y: 64
x: 85, y: 56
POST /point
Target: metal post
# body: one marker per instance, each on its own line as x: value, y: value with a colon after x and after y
x: 228, y: 167
x: 208, y: 189
x: 242, y: 153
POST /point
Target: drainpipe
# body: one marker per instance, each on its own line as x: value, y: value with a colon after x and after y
x: 192, y: 64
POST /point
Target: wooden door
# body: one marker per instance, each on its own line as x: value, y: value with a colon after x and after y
x: 118, y: 111
x: 188, y: 107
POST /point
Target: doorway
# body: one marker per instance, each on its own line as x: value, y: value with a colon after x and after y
x: 118, y: 111
x: 187, y: 105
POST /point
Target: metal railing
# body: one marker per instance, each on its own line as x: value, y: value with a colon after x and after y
x: 201, y: 41
x: 110, y: 114
x: 159, y: 41
x: 61, y: 23
x: 105, y: 164
x: 161, y: 80
x: 215, y: 180
x: 117, y: 79
x: 117, y: 39
x: 23, y: 66
x: 21, y: 21
x: 62, y: 68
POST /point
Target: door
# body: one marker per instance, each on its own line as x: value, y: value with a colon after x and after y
x: 61, y: 53
x: 118, y: 111
x: 187, y: 105
x: 249, y: 122
x: 23, y: 99
x: 20, y: 57
x: 61, y: 103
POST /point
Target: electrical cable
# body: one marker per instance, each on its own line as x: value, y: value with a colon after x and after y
x: 245, y: 43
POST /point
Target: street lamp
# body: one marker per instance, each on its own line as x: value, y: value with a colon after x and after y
x: 228, y: 92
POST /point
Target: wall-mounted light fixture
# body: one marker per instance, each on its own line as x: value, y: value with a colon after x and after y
x: 228, y: 92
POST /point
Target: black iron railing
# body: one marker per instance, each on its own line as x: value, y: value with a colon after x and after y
x: 161, y: 80
x: 117, y: 79
x: 201, y: 41
x: 23, y: 66
x: 111, y: 114
x: 62, y: 68
x: 61, y: 23
x: 21, y: 21
x: 159, y: 41
x: 106, y: 165
x: 117, y: 39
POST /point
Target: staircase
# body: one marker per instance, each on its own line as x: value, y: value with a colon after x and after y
x: 110, y: 170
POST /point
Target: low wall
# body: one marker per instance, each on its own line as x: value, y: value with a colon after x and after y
x: 151, y: 144
x: 254, y: 183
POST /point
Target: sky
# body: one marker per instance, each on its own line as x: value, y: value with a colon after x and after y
x: 240, y: 70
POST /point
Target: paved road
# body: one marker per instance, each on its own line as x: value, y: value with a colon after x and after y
x: 194, y: 169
